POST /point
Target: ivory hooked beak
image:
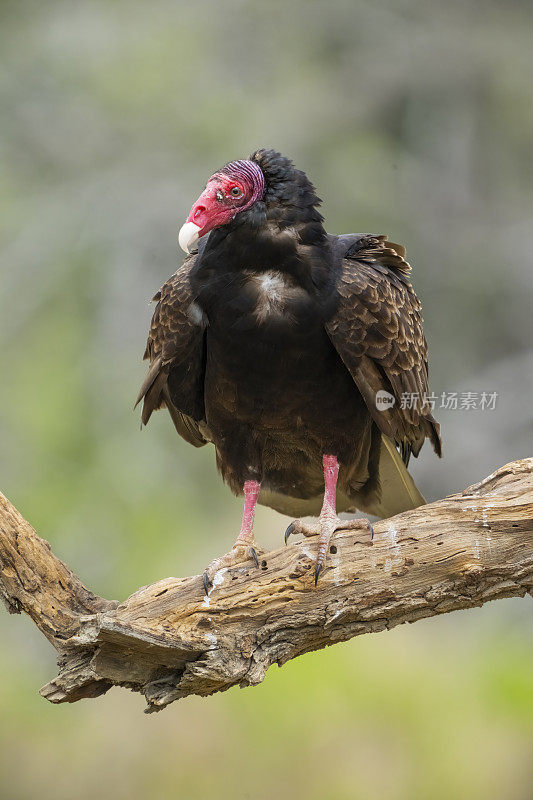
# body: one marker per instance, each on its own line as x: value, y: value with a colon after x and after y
x: 188, y: 235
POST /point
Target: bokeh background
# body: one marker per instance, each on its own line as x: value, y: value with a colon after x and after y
x: 414, y: 119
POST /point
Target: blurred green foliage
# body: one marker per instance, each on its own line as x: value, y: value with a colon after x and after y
x: 413, y: 119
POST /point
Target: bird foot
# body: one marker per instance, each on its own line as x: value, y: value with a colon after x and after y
x: 238, y: 554
x: 325, y: 527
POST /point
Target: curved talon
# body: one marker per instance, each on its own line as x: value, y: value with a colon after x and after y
x: 206, y: 582
x: 290, y: 530
x: 371, y: 530
x: 253, y: 553
x: 318, y: 570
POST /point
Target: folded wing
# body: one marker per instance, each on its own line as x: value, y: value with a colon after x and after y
x: 176, y: 352
x: 377, y: 331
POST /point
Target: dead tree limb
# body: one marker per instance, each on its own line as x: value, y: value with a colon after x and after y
x: 169, y: 640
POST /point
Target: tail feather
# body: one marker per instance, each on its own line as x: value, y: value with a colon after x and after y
x: 398, y: 489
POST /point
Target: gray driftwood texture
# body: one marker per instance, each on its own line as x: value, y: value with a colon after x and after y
x: 170, y: 640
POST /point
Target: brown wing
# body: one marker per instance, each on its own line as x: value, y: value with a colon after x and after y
x: 377, y: 331
x: 176, y: 351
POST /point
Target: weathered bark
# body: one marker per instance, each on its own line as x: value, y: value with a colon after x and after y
x: 169, y: 640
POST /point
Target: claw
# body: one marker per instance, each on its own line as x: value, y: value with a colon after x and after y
x: 371, y: 531
x: 318, y: 570
x: 206, y: 582
x: 289, y: 531
x: 254, y: 556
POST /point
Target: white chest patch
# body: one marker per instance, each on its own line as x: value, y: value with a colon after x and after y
x: 196, y: 315
x: 272, y: 292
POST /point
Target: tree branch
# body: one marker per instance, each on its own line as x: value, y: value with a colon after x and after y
x: 169, y: 640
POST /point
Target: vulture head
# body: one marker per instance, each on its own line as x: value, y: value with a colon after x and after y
x: 267, y: 185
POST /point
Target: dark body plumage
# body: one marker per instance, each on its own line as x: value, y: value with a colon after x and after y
x: 271, y: 341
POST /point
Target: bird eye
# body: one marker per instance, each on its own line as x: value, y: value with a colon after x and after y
x: 235, y: 191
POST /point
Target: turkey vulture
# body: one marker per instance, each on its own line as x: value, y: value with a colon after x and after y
x: 272, y: 341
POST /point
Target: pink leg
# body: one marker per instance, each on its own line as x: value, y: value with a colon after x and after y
x: 244, y: 544
x: 331, y: 473
x: 328, y: 515
x: 251, y: 493
x: 328, y: 521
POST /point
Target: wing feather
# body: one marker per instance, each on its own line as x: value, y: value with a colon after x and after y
x: 377, y: 331
x: 176, y: 352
